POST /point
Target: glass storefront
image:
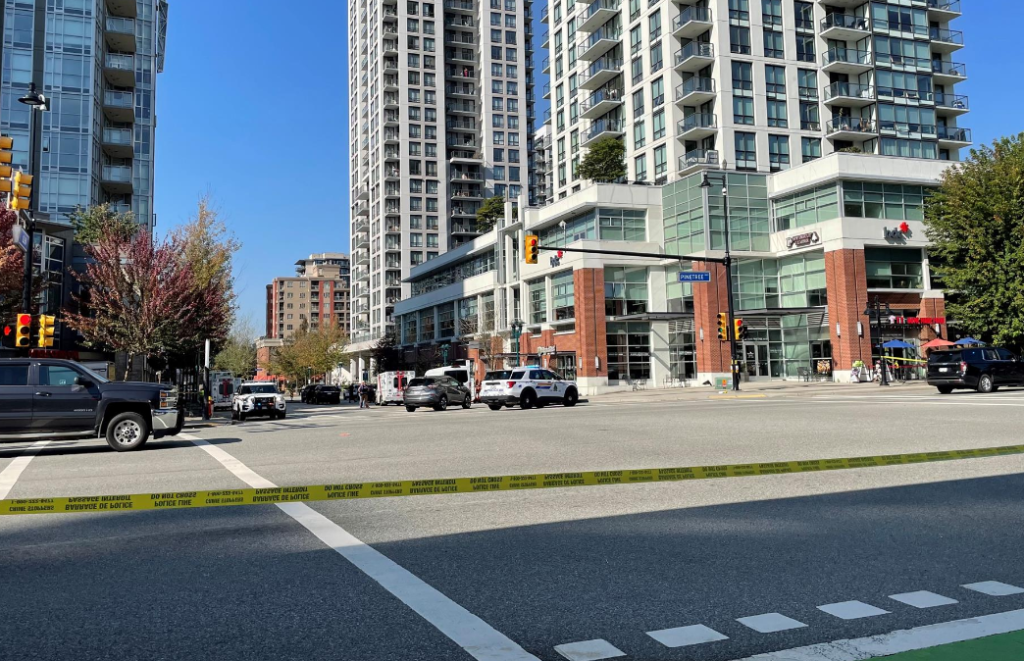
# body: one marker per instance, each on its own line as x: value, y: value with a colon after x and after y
x: 682, y: 350
x: 788, y: 347
x: 629, y: 352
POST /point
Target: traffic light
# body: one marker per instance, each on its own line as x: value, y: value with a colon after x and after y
x: 23, y: 331
x: 21, y: 191
x: 530, y: 248
x: 723, y: 326
x: 6, y: 157
x: 740, y: 331
x: 46, y: 322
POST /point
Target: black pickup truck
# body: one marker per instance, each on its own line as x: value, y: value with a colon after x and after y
x: 51, y: 398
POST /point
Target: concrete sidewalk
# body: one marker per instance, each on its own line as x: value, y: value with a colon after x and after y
x: 752, y: 390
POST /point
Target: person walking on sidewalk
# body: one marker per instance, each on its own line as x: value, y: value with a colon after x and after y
x: 363, y: 403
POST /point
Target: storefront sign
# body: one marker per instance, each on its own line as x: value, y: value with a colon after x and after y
x: 802, y: 240
x: 915, y: 321
x: 545, y: 351
x: 897, y: 233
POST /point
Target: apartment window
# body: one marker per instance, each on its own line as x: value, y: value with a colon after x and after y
x: 496, y: 87
x: 510, y: 37
x: 559, y: 96
x: 414, y: 149
x: 639, y: 134
x: 810, y: 148
x: 805, y: 48
x: 775, y: 81
x: 513, y: 121
x: 497, y: 121
x: 499, y: 155
x: 634, y: 9
x: 739, y: 12
x: 809, y: 117
x: 499, y: 137
x: 777, y: 117
x: 561, y: 149
x: 659, y: 125
x: 510, y: 21
x: 778, y: 152
x: 658, y: 93
x: 513, y: 139
x: 742, y: 78
x: 510, y: 71
x: 432, y: 241
x: 654, y: 25
x: 513, y: 155
x: 416, y: 240
x: 638, y: 69
x: 657, y: 61
x: 807, y: 82
x: 640, y: 168
x: 412, y: 25
x: 538, y: 301
x: 638, y: 104
x: 771, y: 12
x: 497, y: 104
x: 574, y: 113
x: 746, y: 151
x: 495, y: 52
x: 573, y: 85
x: 636, y: 40
x: 743, y: 110
x: 739, y: 39
x: 414, y: 60
x: 496, y: 36
x: 773, y: 44
x: 512, y: 105
x: 510, y: 56
x: 415, y: 185
x: 804, y: 15
x: 660, y: 161
x: 432, y: 204
x: 431, y: 222
x: 496, y: 18
x: 413, y: 42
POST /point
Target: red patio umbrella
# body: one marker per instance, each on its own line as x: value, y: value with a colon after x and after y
x: 935, y: 344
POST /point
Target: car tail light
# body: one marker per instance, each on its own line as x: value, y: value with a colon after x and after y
x: 511, y: 384
x: 963, y: 367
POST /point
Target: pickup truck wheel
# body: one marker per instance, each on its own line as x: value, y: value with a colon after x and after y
x: 985, y: 384
x: 127, y: 431
x: 571, y: 397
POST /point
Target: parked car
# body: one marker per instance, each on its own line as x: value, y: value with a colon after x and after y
x: 305, y: 395
x: 529, y: 387
x: 983, y: 369
x: 61, y: 398
x: 258, y: 398
x: 323, y: 394
x: 436, y: 392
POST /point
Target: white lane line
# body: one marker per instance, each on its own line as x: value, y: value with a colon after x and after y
x: 994, y: 588
x: 923, y: 599
x: 852, y: 610
x: 770, y: 623
x: 478, y: 638
x: 589, y: 650
x: 906, y: 640
x: 697, y: 634
x: 10, y: 474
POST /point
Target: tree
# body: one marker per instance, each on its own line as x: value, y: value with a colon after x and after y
x: 850, y: 150
x: 137, y: 296
x: 12, y: 266
x: 310, y: 352
x: 605, y: 162
x: 975, y: 221
x: 388, y: 354
x: 490, y: 212
x: 238, y: 354
x: 100, y: 220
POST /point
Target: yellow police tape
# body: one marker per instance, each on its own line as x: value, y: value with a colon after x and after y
x: 227, y: 497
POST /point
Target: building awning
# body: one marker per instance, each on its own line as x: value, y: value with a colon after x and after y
x: 653, y: 316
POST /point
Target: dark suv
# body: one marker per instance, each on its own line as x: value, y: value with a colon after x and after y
x: 983, y: 369
x: 61, y: 398
x: 325, y: 395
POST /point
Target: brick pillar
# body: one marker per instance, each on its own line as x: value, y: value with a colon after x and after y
x: 591, y: 328
x: 708, y: 300
x: 933, y: 307
x: 847, y: 283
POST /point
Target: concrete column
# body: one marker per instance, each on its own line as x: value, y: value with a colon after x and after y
x: 661, y: 365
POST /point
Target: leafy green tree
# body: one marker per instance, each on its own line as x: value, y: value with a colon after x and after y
x: 976, y: 222
x: 605, y: 162
x: 489, y: 213
x: 238, y: 354
x: 851, y: 150
x: 92, y: 223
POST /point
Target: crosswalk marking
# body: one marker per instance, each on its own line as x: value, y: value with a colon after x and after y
x: 770, y: 623
x: 994, y: 588
x: 923, y: 599
x: 589, y: 650
x: 686, y: 636
x: 852, y: 610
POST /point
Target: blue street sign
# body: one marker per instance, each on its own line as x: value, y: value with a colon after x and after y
x: 695, y: 276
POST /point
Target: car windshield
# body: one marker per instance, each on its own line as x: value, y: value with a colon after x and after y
x: 98, y: 378
x: 421, y: 382
x: 329, y: 388
x: 260, y: 389
x: 517, y: 375
x: 500, y: 375
x: 944, y: 357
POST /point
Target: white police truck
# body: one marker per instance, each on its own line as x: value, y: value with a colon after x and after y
x: 529, y: 387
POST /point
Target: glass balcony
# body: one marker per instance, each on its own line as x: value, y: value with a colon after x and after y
x: 850, y: 95
x: 698, y: 158
x: 697, y: 126
x: 694, y: 56
x: 597, y: 14
x: 850, y: 128
x: 599, y: 43
x: 946, y: 41
x: 948, y: 72
x: 119, y: 69
x: 600, y: 102
x: 695, y: 91
x: 604, y: 128
x: 955, y: 135
x: 943, y: 10
x: 691, y: 22
x: 846, y: 60
x: 844, y: 27
x: 951, y: 104
x: 120, y: 34
x: 600, y: 72
x: 119, y: 106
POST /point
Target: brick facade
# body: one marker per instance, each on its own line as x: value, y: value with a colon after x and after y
x: 847, y: 283
x: 708, y: 300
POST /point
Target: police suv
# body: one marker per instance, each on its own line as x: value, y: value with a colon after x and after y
x: 528, y: 387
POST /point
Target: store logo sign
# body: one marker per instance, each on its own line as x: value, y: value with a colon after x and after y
x: 897, y: 233
x: 802, y: 240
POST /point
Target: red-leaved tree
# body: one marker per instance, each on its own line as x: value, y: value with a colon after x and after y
x: 11, y: 269
x: 141, y: 297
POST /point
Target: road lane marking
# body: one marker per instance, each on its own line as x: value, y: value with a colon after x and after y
x: 472, y: 634
x: 697, y: 634
x: 770, y: 623
x: 994, y: 588
x: 852, y: 610
x: 589, y: 650
x: 923, y: 599
x: 906, y: 640
x: 10, y: 474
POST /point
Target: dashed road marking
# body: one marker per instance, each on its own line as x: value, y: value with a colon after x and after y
x: 589, y: 650
x: 923, y: 599
x: 852, y: 610
x: 994, y: 588
x: 770, y: 623
x: 697, y: 634
x: 10, y: 474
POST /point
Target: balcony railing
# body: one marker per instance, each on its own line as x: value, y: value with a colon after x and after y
x: 604, y: 64
x: 844, y: 21
x: 854, y: 90
x: 949, y: 68
x: 697, y: 121
x: 120, y: 25
x: 955, y: 101
x: 947, y: 36
x: 847, y: 55
x: 112, y: 136
x: 697, y: 157
x: 952, y: 6
x: 694, y: 49
x: 954, y: 134
x: 600, y: 96
x: 692, y: 85
x: 120, y: 62
x: 118, y: 99
x: 850, y: 124
x: 690, y: 15
x: 117, y: 173
x: 605, y: 125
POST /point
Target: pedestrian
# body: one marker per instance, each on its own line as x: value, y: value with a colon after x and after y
x: 362, y: 395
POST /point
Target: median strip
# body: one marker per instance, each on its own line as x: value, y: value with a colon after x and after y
x: 393, y: 489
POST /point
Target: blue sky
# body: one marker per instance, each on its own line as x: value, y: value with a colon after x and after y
x: 252, y: 109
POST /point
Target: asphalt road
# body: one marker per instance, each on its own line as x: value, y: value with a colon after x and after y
x: 515, y: 575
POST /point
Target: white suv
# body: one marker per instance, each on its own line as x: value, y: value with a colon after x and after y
x: 528, y: 387
x: 258, y: 398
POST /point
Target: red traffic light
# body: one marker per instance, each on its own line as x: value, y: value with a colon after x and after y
x: 24, y: 320
x: 8, y: 330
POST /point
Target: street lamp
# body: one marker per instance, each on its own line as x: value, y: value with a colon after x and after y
x: 35, y: 101
x: 734, y: 365
x: 517, y: 331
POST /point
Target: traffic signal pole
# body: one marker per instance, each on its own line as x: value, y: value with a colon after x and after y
x: 734, y: 365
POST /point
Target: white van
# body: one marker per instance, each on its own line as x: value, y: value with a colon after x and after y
x: 391, y: 387
x: 461, y: 373
x: 223, y: 386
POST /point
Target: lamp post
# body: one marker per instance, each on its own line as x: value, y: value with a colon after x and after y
x: 517, y: 331
x: 36, y: 103
x: 734, y: 365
